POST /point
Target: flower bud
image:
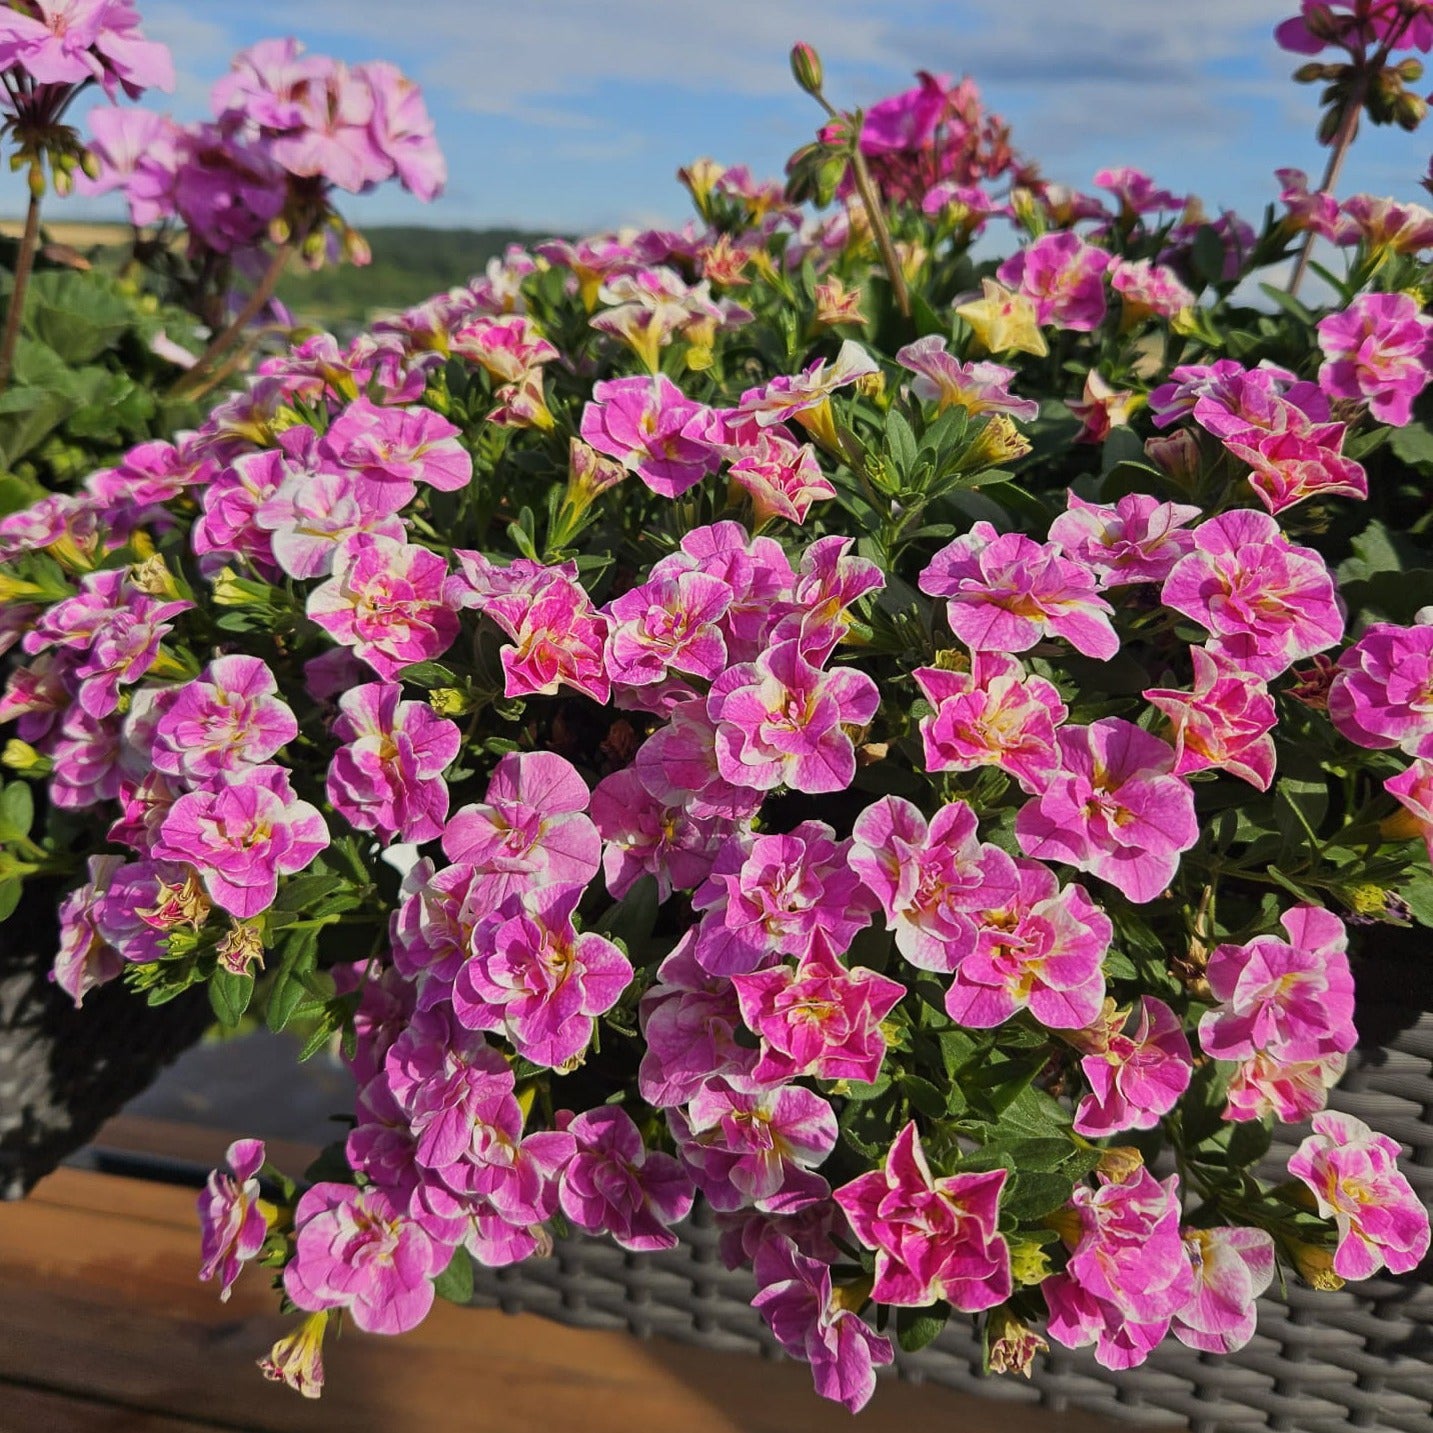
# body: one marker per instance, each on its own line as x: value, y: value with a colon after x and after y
x: 153, y: 576
x: 806, y: 67
x: 1010, y: 1344
x: 1029, y: 1263
x: 1119, y: 1162
x: 450, y: 701
x: 90, y: 166
x: 21, y: 756
x: 1315, y: 1266
x: 298, y: 1359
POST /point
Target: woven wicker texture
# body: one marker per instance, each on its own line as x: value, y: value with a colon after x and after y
x: 1320, y: 1363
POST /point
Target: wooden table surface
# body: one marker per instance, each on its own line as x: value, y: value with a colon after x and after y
x: 104, y: 1328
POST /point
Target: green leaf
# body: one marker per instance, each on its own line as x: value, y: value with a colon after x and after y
x: 9, y: 897
x: 78, y: 315
x: 900, y: 443
x: 429, y: 675
x: 1414, y: 444
x: 1207, y: 254
x: 229, y: 995
x: 17, y: 811
x: 915, y: 1328
x: 455, y: 1283
x: 1036, y: 1193
x: 632, y: 919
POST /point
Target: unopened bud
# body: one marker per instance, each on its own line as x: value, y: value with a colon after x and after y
x: 1311, y: 73
x: 21, y: 756
x: 36, y: 182
x: 450, y: 701
x: 1409, y: 111
x: 1410, y: 71
x: 1120, y: 1162
x: 1315, y: 1266
x: 806, y: 67
x: 90, y: 166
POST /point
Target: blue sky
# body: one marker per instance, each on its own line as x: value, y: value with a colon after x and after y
x: 574, y: 115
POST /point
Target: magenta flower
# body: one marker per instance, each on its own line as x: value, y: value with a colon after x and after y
x: 1233, y: 402
x: 313, y: 514
x: 642, y: 423
x: 388, y: 774
x: 1147, y: 288
x: 831, y: 581
x: 229, y: 719
x: 1114, y: 809
x: 1128, y: 1274
x: 1267, y: 604
x: 944, y: 380
x: 1290, y: 466
x: 242, y: 837
x: 642, y: 835
x: 1289, y: 1090
x: 806, y: 396
x: 392, y: 450
x: 532, y: 827
x: 993, y: 715
x: 71, y: 42
x: 934, y: 1238
x: 1382, y: 695
x: 1356, y: 26
x: 615, y: 1185
x: 385, y: 601
x: 930, y: 878
x: 1355, y: 1180
x: 755, y: 1149
x: 355, y: 1249
x: 1064, y: 276
x: 1041, y: 952
x: 1135, y: 1077
x: 1006, y: 592
x: 781, y: 478
x: 668, y: 624
x: 779, y: 721
x: 1413, y: 790
x: 1223, y: 722
x: 1232, y: 1267
x: 232, y: 1225
x: 777, y: 896
x: 795, y: 1297
x: 817, y: 1019
x: 1137, y: 539
x: 1379, y: 350
x: 1291, y: 1000
x: 538, y: 981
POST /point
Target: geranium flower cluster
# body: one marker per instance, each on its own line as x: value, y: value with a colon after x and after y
x: 659, y: 743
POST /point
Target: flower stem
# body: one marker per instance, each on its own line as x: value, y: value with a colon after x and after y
x: 1343, y: 140
x: 877, y: 216
x: 24, y: 263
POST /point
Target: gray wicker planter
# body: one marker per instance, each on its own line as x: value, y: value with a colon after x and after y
x: 1320, y: 1363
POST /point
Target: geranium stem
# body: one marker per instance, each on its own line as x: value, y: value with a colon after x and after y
x: 1343, y: 140
x: 24, y: 263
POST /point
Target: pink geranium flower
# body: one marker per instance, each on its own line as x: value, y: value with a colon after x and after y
x: 944, y: 380
x: 1136, y: 539
x: 1223, y: 722
x: 1041, y: 952
x: 930, y: 878
x: 1232, y: 1267
x: 231, y: 1221
x: 1382, y: 695
x: 668, y: 624
x: 993, y: 715
x: 536, y: 979
x: 779, y: 721
x: 387, y: 776
x: 1114, y: 809
x: 1267, y: 604
x: 615, y: 1185
x: 818, y: 1018
x: 242, y: 837
x: 1066, y: 278
x: 934, y: 1238
x: 1136, y: 1076
x: 1355, y: 1180
x: 1007, y: 592
x: 795, y: 1297
x: 641, y: 422
x: 385, y: 601
x: 1380, y: 350
x: 355, y: 1249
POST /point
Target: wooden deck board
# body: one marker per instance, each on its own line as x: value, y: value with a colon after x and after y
x: 104, y: 1326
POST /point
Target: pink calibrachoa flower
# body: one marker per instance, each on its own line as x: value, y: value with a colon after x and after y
x: 1353, y: 1173
x: 1066, y: 278
x: 385, y: 601
x: 1147, y: 288
x: 531, y: 826
x: 781, y: 478
x: 758, y: 1149
x: 1289, y: 1090
x: 1114, y: 809
x: 642, y: 423
x: 241, y: 837
x: 1289, y: 466
x: 811, y: 1323
x: 668, y: 624
x: 1136, y: 1076
x: 806, y: 396
x: 392, y: 450
x: 355, y: 1249
x: 387, y: 776
x: 1223, y: 722
x: 1128, y: 1274
x: 1039, y: 952
x: 942, y: 379
x: 1233, y: 402
x: 771, y: 896
x: 1267, y: 603
x: 932, y: 879
x: 1380, y: 350
x: 831, y: 581
x: 1100, y: 408
x: 993, y: 715
x: 231, y: 1219
x: 1005, y: 592
x: 1136, y: 539
x: 615, y: 1185
x: 230, y: 718
x: 818, y: 1019
x: 780, y: 721
x: 1232, y: 1266
x: 678, y: 765
x: 312, y: 514
x: 644, y: 836
x: 85, y: 959
x: 539, y: 981
x: 1413, y: 790
x: 689, y: 1018
x: 934, y: 1238
x: 1382, y: 695
x: 1291, y: 1000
